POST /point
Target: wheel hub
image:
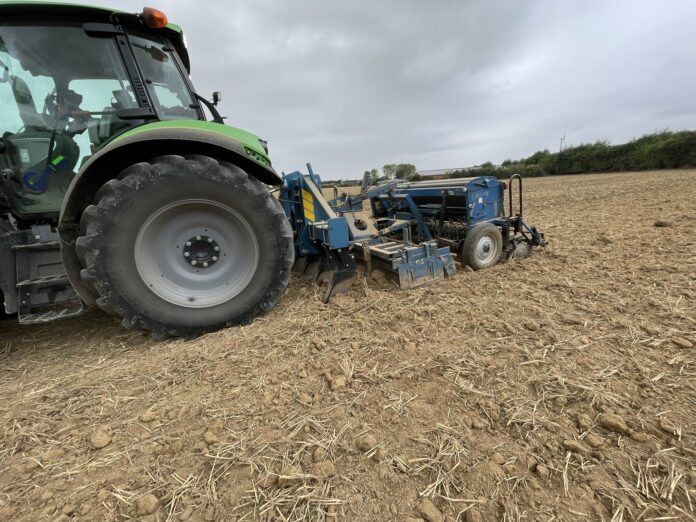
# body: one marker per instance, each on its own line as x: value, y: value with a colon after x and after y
x: 203, y: 232
x: 484, y: 248
x: 201, y: 251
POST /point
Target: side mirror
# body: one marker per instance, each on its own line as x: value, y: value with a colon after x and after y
x: 217, y: 98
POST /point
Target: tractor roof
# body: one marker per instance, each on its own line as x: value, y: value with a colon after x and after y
x: 32, y: 10
x: 37, y: 8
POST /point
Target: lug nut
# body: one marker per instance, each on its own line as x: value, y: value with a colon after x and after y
x: 217, y: 249
x: 214, y: 258
x: 210, y: 240
x: 188, y: 243
x: 194, y: 263
x: 198, y: 238
x: 205, y: 265
x: 186, y: 254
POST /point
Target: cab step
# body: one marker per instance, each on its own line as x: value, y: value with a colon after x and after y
x: 46, y: 245
x: 52, y: 280
x: 71, y: 309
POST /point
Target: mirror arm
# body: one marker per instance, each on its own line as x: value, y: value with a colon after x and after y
x: 211, y: 107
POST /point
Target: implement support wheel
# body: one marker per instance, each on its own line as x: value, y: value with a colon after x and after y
x: 482, y: 246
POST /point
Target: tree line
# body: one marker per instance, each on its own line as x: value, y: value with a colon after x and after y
x: 660, y: 150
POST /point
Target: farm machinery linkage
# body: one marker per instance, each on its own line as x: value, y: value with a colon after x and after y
x: 415, y: 228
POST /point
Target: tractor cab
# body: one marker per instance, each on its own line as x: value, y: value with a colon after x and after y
x: 71, y: 81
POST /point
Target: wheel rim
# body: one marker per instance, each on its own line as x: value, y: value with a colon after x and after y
x: 486, y: 249
x: 196, y: 253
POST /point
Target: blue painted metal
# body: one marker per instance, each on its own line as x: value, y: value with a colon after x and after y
x: 415, y: 226
x: 485, y: 198
x: 415, y: 265
x: 325, y: 230
x: 480, y: 199
x: 304, y: 205
x: 332, y: 233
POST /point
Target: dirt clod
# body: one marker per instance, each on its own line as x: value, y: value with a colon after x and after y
x: 594, y: 440
x: 662, y: 224
x: 498, y: 459
x: 319, y: 454
x: 576, y: 446
x: 366, y: 442
x: 325, y: 469
x: 338, y: 382
x: 682, y: 343
x: 543, y: 471
x: 532, y: 326
x: 640, y: 437
x: 210, y: 438
x: 584, y: 422
x: 613, y: 422
x: 100, y: 438
x: 53, y: 455
x: 428, y: 511
x: 147, y: 504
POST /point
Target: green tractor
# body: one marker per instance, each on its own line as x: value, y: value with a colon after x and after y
x: 116, y: 190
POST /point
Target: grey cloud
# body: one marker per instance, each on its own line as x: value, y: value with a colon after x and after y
x: 354, y: 85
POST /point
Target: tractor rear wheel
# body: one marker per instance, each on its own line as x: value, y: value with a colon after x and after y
x: 181, y: 246
x: 482, y: 246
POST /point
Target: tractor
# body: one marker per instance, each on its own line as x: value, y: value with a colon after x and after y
x: 118, y: 189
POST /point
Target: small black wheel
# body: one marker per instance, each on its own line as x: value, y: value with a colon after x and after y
x: 181, y: 246
x: 482, y: 246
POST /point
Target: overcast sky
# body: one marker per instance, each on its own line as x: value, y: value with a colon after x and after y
x: 352, y: 85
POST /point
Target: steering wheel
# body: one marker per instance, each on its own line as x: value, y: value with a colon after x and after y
x: 54, y: 115
x: 50, y: 108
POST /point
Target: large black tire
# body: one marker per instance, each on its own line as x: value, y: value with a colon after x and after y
x: 482, y: 246
x: 121, y: 246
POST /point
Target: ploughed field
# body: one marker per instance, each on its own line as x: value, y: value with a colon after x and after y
x: 561, y: 387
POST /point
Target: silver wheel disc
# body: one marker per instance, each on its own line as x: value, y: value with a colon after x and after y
x: 486, y: 249
x: 196, y: 253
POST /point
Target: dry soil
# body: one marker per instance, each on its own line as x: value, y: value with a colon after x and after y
x: 560, y: 387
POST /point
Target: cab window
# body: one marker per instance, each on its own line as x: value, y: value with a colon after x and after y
x: 165, y: 84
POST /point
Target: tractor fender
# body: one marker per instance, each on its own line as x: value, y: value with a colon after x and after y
x: 141, y: 144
